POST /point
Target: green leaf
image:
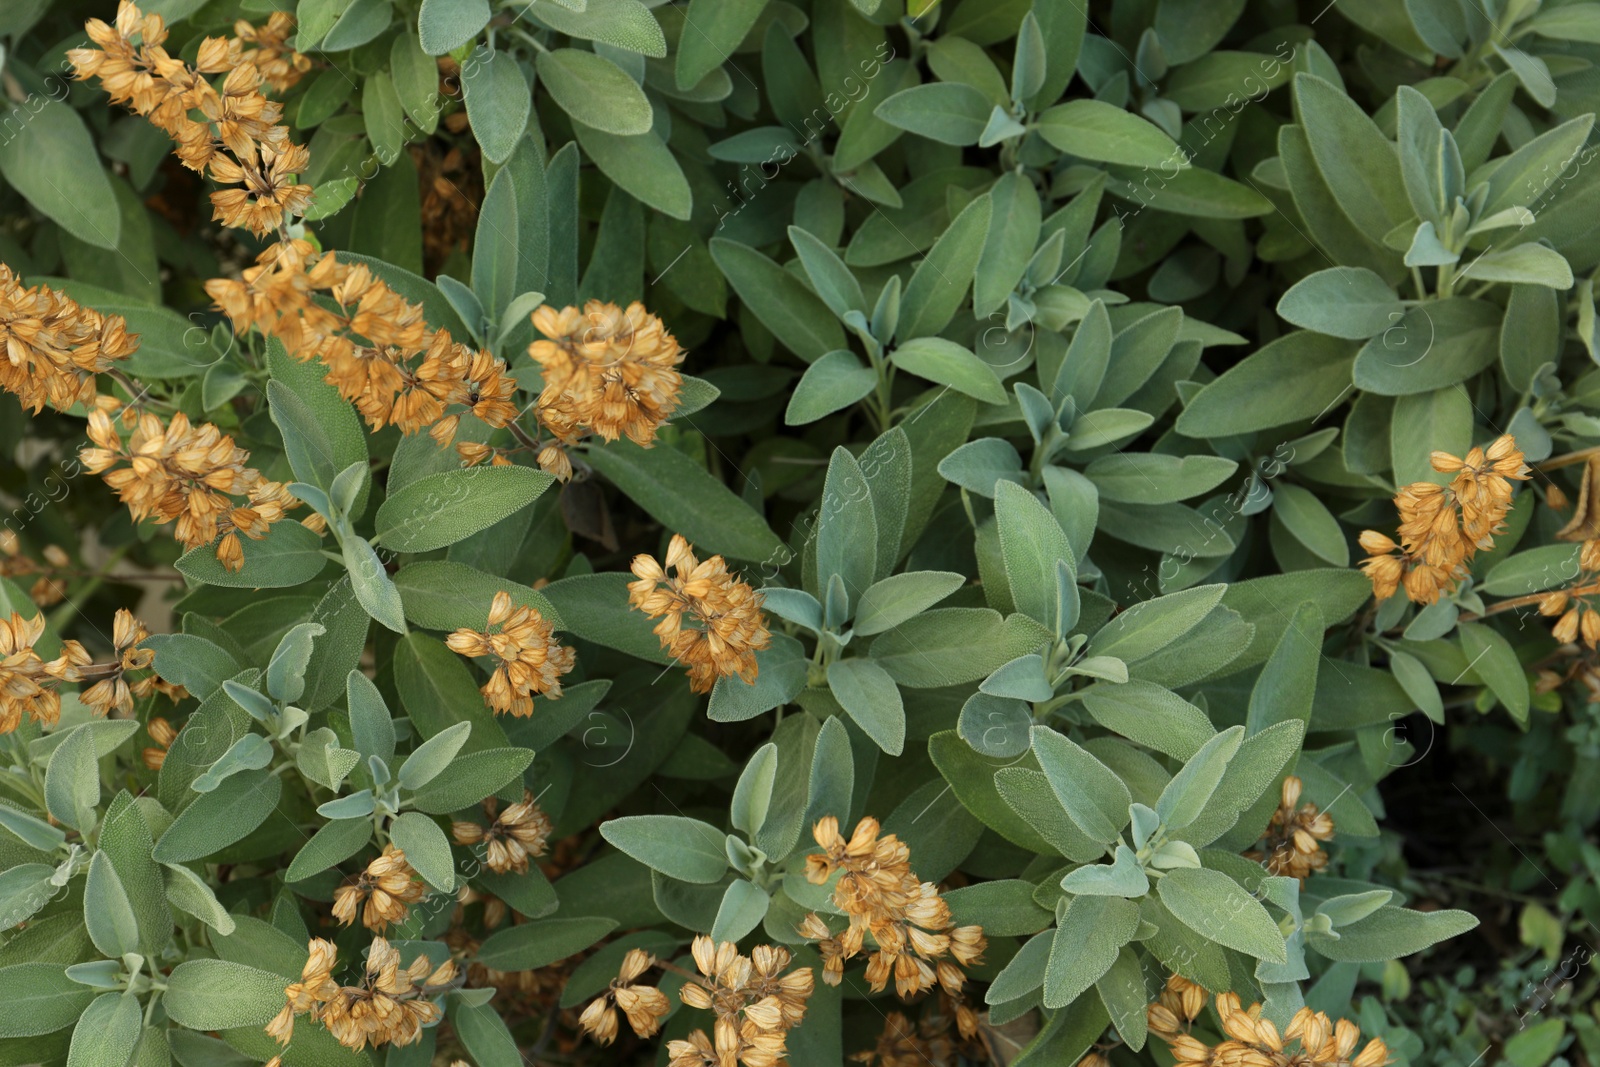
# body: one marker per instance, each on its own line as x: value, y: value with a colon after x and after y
x: 687, y: 499
x: 948, y: 363
x: 190, y: 894
x: 334, y: 843
x: 834, y: 382
x: 949, y: 646
x: 1392, y: 933
x: 286, y: 671
x: 496, y: 258
x: 1423, y: 422
x: 1122, y: 878
x: 1287, y: 684
x: 1491, y: 657
x: 753, y: 794
x: 595, y: 608
x: 1524, y: 264
x: 1156, y: 478
x: 1349, y: 302
x: 109, y: 1029
x: 72, y: 781
x: 56, y: 169
x: 743, y: 907
x: 218, y: 995
x: 847, y: 534
x: 627, y: 24
x: 948, y: 112
x: 289, y: 555
x: 192, y: 661
x: 217, y: 819
x: 33, y: 832
x: 1150, y: 715
x: 440, y: 509
x: 41, y: 999
x: 438, y: 692
x: 445, y: 25
x: 443, y: 595
x: 371, y: 725
x: 373, y: 587
x: 1359, y: 164
x: 1298, y: 376
x: 498, y: 101
x: 780, y: 676
x: 1186, y: 795
x: 939, y: 284
x: 539, y: 944
x: 686, y: 849
x: 712, y: 30
x: 426, y: 847
x: 106, y: 910
x: 1087, y: 940
x: 1149, y: 626
x: 895, y: 599
x: 430, y: 758
x: 1095, y: 130
x: 321, y: 433
x: 1092, y: 793
x: 870, y: 697
x: 1108, y: 426
x: 797, y: 317
x: 24, y: 889
x: 595, y: 91
x: 831, y: 279
x: 643, y: 166
x: 1031, y: 544
x: 470, y: 778
x: 1219, y: 909
x: 1311, y: 523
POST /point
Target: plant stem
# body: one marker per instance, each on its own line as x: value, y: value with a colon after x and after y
x: 1567, y: 460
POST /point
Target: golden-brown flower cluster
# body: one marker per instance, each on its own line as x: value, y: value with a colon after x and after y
x: 902, y: 1044
x: 266, y: 46
x: 519, y: 832
x: 756, y: 1004
x: 1291, y: 843
x: 644, y: 1006
x: 237, y: 135
x: 47, y: 588
x: 1252, y: 1041
x: 114, y: 692
x: 29, y: 684
x: 55, y: 346
x: 531, y: 662
x: 162, y: 734
x: 187, y: 474
x: 1578, y: 616
x: 390, y: 1007
x: 607, y: 371
x: 726, y: 627
x: 917, y: 943
x: 1443, y: 527
x: 375, y: 344
x: 388, y: 885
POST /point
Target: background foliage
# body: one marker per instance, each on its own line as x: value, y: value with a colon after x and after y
x: 1045, y: 363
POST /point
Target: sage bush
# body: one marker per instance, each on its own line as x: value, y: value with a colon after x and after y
x: 758, y: 532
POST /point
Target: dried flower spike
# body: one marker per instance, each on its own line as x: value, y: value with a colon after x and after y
x: 726, y: 627
x: 388, y: 886
x: 519, y: 832
x: 531, y: 661
x: 187, y: 475
x: 644, y: 1006
x: 755, y: 1002
x: 606, y: 371
x: 54, y: 346
x: 1291, y: 846
x: 907, y: 918
x: 28, y: 684
x: 1443, y: 527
